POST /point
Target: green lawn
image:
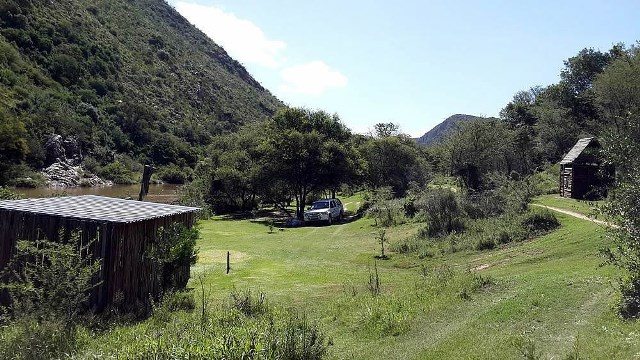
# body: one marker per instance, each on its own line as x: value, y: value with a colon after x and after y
x: 550, y: 296
x: 589, y: 208
x: 550, y: 292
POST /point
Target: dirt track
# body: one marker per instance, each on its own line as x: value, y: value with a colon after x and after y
x: 575, y: 214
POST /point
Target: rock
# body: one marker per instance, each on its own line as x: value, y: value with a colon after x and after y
x: 59, y: 149
x: 54, y: 149
x: 64, y: 174
x: 72, y: 150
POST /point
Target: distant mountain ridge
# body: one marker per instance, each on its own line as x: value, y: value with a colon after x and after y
x: 441, y: 130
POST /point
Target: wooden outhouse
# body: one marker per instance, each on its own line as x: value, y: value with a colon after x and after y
x: 120, y: 232
x: 582, y: 175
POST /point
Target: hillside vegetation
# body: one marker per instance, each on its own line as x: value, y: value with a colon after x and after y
x: 440, y: 131
x: 122, y: 81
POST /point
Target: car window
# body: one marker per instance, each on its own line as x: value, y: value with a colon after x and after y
x: 333, y: 204
x: 338, y: 202
x: 320, y: 205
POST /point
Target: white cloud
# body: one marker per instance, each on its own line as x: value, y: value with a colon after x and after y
x: 241, y: 38
x: 311, y: 78
x: 247, y: 43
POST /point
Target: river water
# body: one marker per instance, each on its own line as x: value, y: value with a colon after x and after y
x: 162, y: 193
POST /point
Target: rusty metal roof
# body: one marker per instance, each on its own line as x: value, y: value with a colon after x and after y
x: 577, y: 149
x: 95, y: 208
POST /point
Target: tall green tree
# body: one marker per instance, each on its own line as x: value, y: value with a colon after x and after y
x: 395, y: 161
x: 308, y: 151
x: 479, y: 148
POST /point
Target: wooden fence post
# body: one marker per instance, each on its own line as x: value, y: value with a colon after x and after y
x: 228, y: 263
x: 146, y: 177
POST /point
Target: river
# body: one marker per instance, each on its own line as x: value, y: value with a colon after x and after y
x: 162, y: 193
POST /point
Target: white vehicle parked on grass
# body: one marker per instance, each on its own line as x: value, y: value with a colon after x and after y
x: 327, y: 210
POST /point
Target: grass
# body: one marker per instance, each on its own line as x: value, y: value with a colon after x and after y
x: 588, y: 208
x: 550, y: 293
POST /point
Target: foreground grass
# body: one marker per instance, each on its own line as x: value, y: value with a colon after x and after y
x: 549, y: 296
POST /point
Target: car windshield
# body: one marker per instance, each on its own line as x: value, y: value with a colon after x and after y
x: 320, y: 205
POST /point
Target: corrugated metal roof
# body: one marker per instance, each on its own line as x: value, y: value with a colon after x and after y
x: 95, y: 208
x: 577, y: 149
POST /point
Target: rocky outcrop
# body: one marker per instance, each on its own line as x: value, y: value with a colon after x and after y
x: 61, y: 149
x: 64, y: 174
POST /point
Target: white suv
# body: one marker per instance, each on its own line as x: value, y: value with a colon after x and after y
x: 328, y: 210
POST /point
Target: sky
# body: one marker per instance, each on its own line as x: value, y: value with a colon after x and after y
x: 413, y: 63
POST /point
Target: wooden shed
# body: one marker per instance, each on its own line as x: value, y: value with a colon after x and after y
x: 582, y: 175
x: 122, y: 232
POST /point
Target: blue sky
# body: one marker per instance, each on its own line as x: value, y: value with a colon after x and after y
x: 413, y: 63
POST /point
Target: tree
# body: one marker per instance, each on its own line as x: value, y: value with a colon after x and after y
x: 618, y: 94
x: 393, y: 161
x: 386, y: 130
x: 519, y: 111
x: 234, y: 173
x: 479, y: 148
x: 306, y: 150
x: 13, y: 144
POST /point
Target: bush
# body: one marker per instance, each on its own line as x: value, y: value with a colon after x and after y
x: 46, y: 279
x: 442, y: 211
x: 180, y: 300
x: 629, y: 304
x: 540, y: 222
x: 387, y: 212
x: 26, y: 183
x: 480, y: 205
x: 485, y: 243
x: 174, y: 248
x: 546, y: 182
x: 172, y: 174
x: 6, y: 194
x: 116, y: 172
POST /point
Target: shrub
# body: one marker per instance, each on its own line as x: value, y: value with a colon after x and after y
x: 174, y: 248
x: 248, y: 304
x: 6, y: 194
x: 26, y: 183
x: 46, y: 279
x: 540, y: 222
x: 32, y: 338
x: 629, y: 303
x: 172, y: 174
x: 442, y: 211
x: 485, y: 243
x: 387, y: 212
x: 484, y: 204
x: 116, y: 172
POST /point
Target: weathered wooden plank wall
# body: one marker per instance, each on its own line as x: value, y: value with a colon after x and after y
x: 129, y: 278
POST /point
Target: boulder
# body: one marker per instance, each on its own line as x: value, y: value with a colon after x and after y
x: 64, y: 174
x: 59, y: 149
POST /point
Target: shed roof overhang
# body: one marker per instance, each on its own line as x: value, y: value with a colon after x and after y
x: 95, y: 208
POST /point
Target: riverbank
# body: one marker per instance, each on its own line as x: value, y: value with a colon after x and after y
x: 160, y: 193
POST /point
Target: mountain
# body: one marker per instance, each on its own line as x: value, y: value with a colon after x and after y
x: 436, y: 134
x: 116, y: 80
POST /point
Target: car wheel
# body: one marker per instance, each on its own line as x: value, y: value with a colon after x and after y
x: 330, y: 220
x: 341, y: 217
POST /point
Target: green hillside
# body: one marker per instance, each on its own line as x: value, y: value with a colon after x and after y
x: 116, y: 78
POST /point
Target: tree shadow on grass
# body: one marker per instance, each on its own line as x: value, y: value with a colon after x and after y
x: 279, y: 219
